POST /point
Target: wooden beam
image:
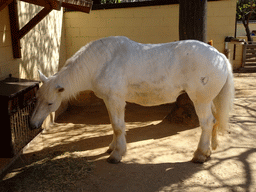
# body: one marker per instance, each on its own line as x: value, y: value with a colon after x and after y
x: 4, y: 4
x: 44, y: 3
x: 16, y: 33
x: 33, y: 22
x: 86, y: 8
x: 77, y: 5
x: 14, y: 24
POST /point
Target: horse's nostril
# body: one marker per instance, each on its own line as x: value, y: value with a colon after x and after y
x: 32, y: 127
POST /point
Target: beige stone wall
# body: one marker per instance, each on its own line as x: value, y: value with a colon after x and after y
x: 156, y: 24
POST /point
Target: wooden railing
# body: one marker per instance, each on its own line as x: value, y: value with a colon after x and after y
x: 249, y: 54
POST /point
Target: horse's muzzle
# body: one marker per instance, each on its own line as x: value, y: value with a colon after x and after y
x: 33, y: 126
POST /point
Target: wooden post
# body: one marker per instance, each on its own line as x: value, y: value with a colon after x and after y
x: 14, y: 24
x: 244, y: 54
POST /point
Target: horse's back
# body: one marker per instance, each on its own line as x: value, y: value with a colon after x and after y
x: 151, y: 74
x: 172, y: 68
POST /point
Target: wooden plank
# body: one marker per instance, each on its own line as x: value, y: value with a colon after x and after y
x: 77, y: 5
x: 83, y: 3
x: 250, y: 56
x: 251, y: 46
x: 250, y: 64
x: 250, y: 60
x: 14, y: 24
x: 244, y: 54
x: 33, y: 22
x: 250, y: 51
x: 53, y: 4
x: 4, y: 4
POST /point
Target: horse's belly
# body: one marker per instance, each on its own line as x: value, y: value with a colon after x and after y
x: 149, y: 96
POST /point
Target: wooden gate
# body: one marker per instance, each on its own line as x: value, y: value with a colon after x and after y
x: 249, y: 55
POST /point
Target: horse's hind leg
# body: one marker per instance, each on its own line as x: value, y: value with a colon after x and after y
x: 207, y: 121
x: 117, y: 147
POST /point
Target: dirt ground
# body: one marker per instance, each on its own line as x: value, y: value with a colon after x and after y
x: 71, y: 156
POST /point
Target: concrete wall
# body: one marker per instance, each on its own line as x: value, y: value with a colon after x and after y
x: 156, y: 24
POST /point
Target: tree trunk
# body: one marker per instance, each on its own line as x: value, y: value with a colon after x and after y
x: 192, y: 25
x: 247, y: 29
x: 192, y: 19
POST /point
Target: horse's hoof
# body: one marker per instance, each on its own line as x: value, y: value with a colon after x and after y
x: 199, y: 160
x: 109, y: 151
x: 112, y: 160
x: 199, y: 157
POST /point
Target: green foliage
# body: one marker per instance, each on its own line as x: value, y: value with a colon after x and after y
x: 246, y: 9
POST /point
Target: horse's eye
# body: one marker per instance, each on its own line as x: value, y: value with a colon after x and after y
x: 49, y: 104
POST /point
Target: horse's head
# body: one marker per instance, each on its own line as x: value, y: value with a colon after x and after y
x: 48, y: 99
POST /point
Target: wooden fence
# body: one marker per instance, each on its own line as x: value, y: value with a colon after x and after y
x: 249, y: 55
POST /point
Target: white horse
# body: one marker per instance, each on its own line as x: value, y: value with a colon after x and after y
x: 118, y: 69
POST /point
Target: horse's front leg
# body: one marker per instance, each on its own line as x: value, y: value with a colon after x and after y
x: 117, y: 147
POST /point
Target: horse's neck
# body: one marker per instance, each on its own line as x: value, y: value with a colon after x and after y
x: 74, y: 78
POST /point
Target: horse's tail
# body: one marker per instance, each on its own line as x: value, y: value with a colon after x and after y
x: 223, y: 104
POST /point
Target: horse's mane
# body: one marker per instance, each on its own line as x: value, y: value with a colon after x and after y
x: 74, y: 75
x: 71, y: 76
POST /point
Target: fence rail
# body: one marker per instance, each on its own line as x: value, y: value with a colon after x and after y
x: 249, y: 55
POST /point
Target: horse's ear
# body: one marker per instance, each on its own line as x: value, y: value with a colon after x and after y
x: 59, y: 88
x: 42, y: 77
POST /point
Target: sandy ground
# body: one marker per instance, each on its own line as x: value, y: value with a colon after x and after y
x: 71, y: 156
